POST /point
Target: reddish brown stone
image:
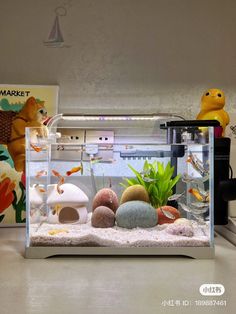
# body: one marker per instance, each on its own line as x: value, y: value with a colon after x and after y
x: 106, y: 197
x: 103, y: 217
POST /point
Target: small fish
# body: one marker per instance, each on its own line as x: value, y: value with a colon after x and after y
x: 75, y: 169
x: 200, y: 205
x: 199, y: 219
x: 36, y: 148
x: 98, y: 158
x: 175, y: 197
x: 199, y: 211
x: 203, y: 192
x: 56, y: 173
x: 167, y: 214
x: 56, y: 209
x: 202, y: 197
x: 57, y: 231
x: 61, y: 181
x: 197, y: 164
x: 41, y: 173
x: 37, y: 186
x: 187, y: 178
x: 196, y: 194
x: 147, y: 179
x: 192, y: 211
x: 145, y: 172
x: 185, y: 207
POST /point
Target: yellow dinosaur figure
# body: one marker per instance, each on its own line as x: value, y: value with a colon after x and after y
x: 212, y: 104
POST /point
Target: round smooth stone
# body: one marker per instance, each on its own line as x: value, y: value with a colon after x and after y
x: 167, y: 215
x: 183, y: 221
x: 106, y: 197
x: 135, y: 214
x: 134, y: 193
x: 180, y: 230
x: 103, y: 217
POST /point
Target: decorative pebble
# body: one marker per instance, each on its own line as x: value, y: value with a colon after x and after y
x: 180, y: 230
x: 106, y: 197
x: 165, y: 214
x: 103, y: 217
x: 135, y: 214
x: 183, y: 221
x: 134, y: 193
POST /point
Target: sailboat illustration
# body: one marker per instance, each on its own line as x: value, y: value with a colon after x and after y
x: 55, y: 38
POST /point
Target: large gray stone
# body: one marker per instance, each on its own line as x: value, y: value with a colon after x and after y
x: 135, y: 214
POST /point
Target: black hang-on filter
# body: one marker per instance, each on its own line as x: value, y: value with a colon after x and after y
x: 224, y: 188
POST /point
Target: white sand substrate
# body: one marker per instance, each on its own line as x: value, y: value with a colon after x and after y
x: 86, y: 235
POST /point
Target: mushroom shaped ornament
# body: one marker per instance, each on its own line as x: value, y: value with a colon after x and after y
x: 36, y: 193
x: 67, y: 205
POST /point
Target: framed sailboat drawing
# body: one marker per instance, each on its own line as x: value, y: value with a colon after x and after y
x: 55, y: 38
x: 12, y: 182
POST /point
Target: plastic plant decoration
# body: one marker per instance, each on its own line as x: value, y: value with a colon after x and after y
x: 157, y: 179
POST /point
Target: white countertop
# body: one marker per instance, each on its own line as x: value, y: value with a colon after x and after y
x: 110, y: 284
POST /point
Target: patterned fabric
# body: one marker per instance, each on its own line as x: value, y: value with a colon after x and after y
x: 6, y: 118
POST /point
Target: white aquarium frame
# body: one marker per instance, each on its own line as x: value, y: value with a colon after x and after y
x: 197, y: 252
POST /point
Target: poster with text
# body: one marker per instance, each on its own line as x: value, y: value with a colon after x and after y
x: 13, y: 98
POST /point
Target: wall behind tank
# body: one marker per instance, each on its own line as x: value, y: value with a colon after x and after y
x: 122, y: 55
x: 138, y: 56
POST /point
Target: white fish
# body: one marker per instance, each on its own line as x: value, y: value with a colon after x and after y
x: 145, y: 172
x: 175, y: 197
x: 197, y: 164
x: 185, y: 207
x: 187, y: 178
x: 200, y: 205
x: 203, y: 192
x: 167, y: 214
x: 192, y: 210
x: 199, y: 211
x: 199, y: 220
x: 146, y: 179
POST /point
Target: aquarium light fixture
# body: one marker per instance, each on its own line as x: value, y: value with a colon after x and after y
x: 147, y: 117
x: 109, y: 118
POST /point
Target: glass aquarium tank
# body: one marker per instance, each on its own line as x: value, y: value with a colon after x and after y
x: 135, y: 185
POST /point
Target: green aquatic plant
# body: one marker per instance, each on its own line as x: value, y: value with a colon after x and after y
x: 157, y: 179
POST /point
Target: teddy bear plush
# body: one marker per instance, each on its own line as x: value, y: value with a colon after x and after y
x: 32, y: 114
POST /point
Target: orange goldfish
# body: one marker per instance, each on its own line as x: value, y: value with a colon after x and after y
x: 56, y: 173
x: 196, y: 194
x: 61, y: 180
x: 75, y: 169
x: 201, y: 196
x: 36, y: 148
x: 40, y: 173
